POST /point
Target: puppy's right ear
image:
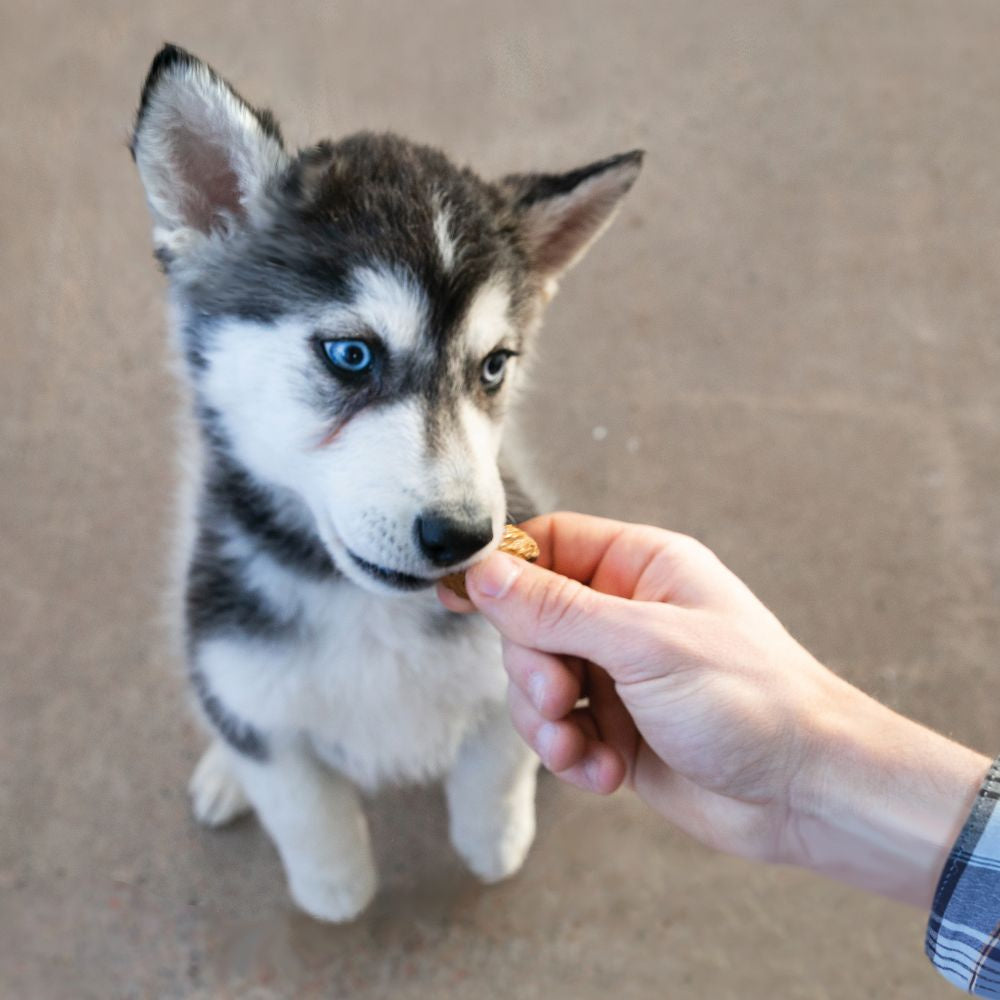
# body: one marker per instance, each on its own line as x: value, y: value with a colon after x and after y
x: 203, y: 153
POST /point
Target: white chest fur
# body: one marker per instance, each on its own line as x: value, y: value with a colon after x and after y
x: 384, y: 687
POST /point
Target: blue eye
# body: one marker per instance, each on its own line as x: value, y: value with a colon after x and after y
x: 354, y: 356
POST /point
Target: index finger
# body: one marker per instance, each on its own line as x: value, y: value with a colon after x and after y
x: 634, y: 560
x: 573, y: 544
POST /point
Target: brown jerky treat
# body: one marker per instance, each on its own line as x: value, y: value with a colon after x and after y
x: 515, y: 541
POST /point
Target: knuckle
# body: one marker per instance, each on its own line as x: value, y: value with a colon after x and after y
x: 560, y: 606
x: 688, y: 548
x: 520, y: 713
x: 514, y: 659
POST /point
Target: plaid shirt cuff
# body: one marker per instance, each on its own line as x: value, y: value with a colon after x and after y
x: 963, y: 933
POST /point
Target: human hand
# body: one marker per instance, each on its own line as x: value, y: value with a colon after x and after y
x: 696, y: 695
x: 702, y: 702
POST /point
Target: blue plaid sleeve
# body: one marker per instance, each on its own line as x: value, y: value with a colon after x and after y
x: 963, y: 933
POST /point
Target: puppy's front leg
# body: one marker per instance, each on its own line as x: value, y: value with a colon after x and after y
x: 316, y: 821
x: 491, y: 799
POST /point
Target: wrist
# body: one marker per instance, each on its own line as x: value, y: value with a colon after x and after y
x: 881, y: 799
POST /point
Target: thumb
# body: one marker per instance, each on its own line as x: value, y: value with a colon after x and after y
x: 540, y: 609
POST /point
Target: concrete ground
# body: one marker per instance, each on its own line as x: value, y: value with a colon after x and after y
x: 789, y: 339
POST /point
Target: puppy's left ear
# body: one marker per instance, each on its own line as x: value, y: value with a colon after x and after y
x: 561, y: 215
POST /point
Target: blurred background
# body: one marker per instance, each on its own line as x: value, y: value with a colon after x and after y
x: 786, y: 345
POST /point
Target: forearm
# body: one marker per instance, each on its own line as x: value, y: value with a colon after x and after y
x: 881, y: 799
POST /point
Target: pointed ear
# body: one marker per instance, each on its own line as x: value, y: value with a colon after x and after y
x: 203, y: 153
x: 560, y: 215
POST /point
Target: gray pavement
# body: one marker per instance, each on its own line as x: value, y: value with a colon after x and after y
x: 789, y: 338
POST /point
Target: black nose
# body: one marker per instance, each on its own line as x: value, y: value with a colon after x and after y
x: 448, y: 540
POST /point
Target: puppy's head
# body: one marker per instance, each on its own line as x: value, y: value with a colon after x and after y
x: 352, y: 315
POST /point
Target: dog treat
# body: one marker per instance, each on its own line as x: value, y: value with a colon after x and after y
x: 515, y: 541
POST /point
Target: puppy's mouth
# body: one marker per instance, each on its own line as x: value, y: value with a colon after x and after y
x: 392, y: 577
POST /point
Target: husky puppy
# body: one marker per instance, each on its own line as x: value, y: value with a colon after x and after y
x: 349, y: 321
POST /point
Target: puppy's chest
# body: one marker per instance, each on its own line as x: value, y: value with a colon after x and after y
x: 392, y: 686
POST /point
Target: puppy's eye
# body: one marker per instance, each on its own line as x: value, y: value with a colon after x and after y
x: 353, y: 356
x: 495, y: 367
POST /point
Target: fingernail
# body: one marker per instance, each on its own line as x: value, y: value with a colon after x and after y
x: 544, y: 739
x: 592, y: 772
x: 536, y: 687
x: 496, y: 574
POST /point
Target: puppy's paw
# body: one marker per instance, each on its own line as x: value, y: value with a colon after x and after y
x: 334, y: 898
x: 217, y: 797
x: 495, y: 850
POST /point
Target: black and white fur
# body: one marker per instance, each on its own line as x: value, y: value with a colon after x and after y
x: 325, y: 503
